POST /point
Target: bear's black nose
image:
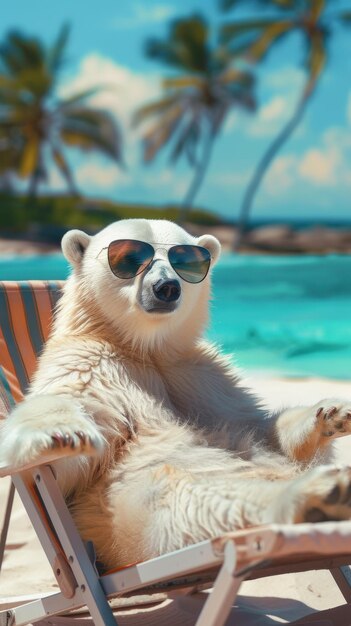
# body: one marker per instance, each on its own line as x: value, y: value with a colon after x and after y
x: 167, y: 290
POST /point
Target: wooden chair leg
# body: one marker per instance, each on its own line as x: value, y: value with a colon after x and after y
x: 223, y: 594
x: 6, y: 523
x: 342, y: 577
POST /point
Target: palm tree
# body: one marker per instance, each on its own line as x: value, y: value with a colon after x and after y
x: 35, y: 124
x: 196, y: 99
x: 255, y: 38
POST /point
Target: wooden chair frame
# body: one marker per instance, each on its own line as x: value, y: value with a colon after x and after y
x: 221, y: 563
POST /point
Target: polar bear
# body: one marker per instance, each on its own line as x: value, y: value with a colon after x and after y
x: 177, y: 450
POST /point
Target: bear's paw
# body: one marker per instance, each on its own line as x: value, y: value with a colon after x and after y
x: 333, y: 418
x: 319, y: 495
x: 42, y: 425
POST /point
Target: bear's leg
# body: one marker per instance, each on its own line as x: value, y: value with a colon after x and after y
x: 174, y: 509
x: 304, y: 433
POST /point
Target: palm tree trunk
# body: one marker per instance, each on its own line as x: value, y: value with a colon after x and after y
x: 36, y: 177
x: 34, y: 184
x: 72, y: 188
x: 65, y: 169
x: 195, y: 184
x: 263, y: 166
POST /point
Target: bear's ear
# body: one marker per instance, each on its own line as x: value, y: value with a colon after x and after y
x: 212, y: 244
x: 74, y: 243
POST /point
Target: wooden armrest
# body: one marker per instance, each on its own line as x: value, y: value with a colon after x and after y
x: 45, y: 459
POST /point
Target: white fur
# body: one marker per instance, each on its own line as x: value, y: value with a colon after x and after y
x: 182, y: 451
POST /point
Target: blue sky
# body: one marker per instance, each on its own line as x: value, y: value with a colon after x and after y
x: 311, y: 178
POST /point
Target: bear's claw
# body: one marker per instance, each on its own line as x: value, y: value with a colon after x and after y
x: 325, y: 494
x: 81, y: 436
x: 334, y: 420
x: 65, y: 440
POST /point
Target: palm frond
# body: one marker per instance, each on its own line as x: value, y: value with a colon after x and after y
x: 154, y: 108
x: 244, y: 27
x: 18, y: 53
x: 16, y: 99
x: 268, y: 38
x: 63, y: 166
x: 60, y: 161
x: 183, y: 82
x: 8, y: 122
x: 238, y: 77
x: 345, y: 17
x: 55, y: 55
x: 196, y: 100
x: 77, y: 98
x: 316, y: 9
x: 90, y: 129
x: 284, y: 4
x: 186, y: 46
x: 315, y: 61
x: 187, y: 142
x: 158, y: 136
x: 31, y: 119
x: 226, y: 5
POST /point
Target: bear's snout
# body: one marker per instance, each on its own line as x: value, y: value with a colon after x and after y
x: 167, y: 290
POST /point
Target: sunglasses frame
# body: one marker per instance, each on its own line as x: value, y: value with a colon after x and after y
x: 166, y: 245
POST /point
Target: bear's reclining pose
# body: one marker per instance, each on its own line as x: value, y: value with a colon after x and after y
x: 182, y: 452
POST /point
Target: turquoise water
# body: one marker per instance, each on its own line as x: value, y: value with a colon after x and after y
x: 284, y: 315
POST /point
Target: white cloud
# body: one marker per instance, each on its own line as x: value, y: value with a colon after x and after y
x: 56, y: 180
x: 321, y: 166
x: 121, y: 90
x: 142, y: 15
x: 122, y: 93
x: 289, y: 77
x: 337, y: 136
x: 273, y: 110
x: 280, y: 91
x: 92, y: 174
x: 329, y: 163
x: 167, y: 179
x: 95, y: 174
x: 270, y: 117
x: 325, y: 166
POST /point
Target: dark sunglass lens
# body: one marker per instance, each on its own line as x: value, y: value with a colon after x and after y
x: 128, y: 257
x: 190, y: 262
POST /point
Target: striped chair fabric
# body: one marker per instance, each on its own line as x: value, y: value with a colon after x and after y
x: 25, y: 316
x: 26, y: 309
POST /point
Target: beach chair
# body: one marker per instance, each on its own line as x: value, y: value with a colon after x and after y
x: 221, y: 563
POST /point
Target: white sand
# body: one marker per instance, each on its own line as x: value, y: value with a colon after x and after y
x: 25, y: 569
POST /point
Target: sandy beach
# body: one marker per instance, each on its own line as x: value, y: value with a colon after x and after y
x: 268, y: 601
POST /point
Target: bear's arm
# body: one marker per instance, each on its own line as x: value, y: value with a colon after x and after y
x: 84, y: 396
x: 112, y: 390
x: 206, y: 388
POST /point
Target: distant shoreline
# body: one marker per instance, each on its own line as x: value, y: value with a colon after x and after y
x: 282, y: 238
x: 278, y: 238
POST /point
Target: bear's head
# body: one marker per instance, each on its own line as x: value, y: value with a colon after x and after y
x: 148, y: 279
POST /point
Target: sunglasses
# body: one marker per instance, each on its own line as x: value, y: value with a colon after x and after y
x: 129, y: 257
